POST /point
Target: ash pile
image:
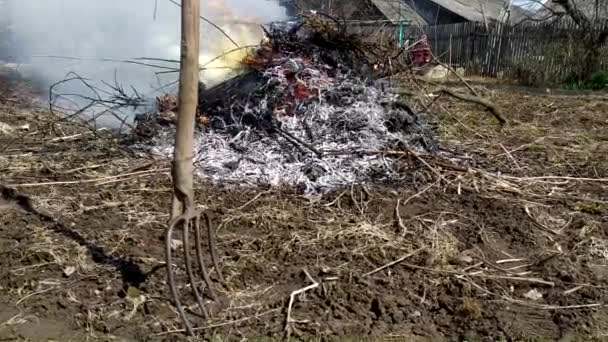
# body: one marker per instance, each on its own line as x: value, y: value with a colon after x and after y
x: 307, y: 114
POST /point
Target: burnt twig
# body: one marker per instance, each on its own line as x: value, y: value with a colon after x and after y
x: 295, y: 140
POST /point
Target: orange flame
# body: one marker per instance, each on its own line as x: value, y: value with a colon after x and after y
x: 244, y: 30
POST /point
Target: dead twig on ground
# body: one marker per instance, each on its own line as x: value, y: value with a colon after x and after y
x: 219, y: 325
x: 510, y: 156
x: 335, y: 200
x: 419, y: 193
x: 82, y: 168
x: 398, y: 219
x: 289, y: 320
x: 572, y: 290
x: 35, y: 294
x: 492, y: 108
x: 549, y: 178
x: 450, y: 69
x: 109, y: 205
x: 74, y: 136
x: 542, y: 226
x: 409, y: 255
x: 522, y: 147
x: 354, y: 200
x: 554, y: 307
x: 522, y: 279
x: 425, y: 163
x: 121, y: 177
x: 505, y: 261
x: 255, y: 198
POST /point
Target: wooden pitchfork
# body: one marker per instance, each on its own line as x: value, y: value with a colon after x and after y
x: 184, y: 213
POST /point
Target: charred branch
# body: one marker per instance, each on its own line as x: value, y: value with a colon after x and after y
x: 492, y: 108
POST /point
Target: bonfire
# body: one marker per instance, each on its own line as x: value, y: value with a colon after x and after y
x: 307, y: 112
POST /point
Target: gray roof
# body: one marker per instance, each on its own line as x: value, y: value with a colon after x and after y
x: 398, y: 10
x: 479, y: 10
x: 471, y: 10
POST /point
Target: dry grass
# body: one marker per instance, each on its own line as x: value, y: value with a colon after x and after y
x: 269, y: 236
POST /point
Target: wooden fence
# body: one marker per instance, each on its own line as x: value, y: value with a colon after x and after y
x: 547, y: 48
x: 552, y: 49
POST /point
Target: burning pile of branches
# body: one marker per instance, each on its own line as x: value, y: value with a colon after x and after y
x: 306, y: 114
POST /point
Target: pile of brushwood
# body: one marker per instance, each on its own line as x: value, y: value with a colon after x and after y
x: 307, y: 112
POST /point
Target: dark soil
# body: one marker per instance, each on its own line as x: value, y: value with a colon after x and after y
x: 72, y: 264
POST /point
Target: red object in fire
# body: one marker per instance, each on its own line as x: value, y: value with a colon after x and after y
x: 300, y: 91
x: 260, y: 58
x: 421, y: 52
x: 203, y: 120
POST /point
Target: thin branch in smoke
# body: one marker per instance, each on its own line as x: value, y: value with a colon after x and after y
x: 108, y: 60
x: 212, y: 24
x: 205, y: 66
x: 110, y: 100
x: 157, y: 59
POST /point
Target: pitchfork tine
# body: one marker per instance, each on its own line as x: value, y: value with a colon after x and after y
x: 211, y: 238
x: 191, y: 216
x: 186, y: 240
x: 199, y: 253
x: 171, y: 278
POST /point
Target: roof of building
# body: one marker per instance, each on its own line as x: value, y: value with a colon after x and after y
x: 471, y: 10
x: 480, y: 10
x: 398, y: 11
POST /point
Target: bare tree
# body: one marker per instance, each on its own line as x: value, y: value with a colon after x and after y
x: 591, y: 19
x: 587, y: 19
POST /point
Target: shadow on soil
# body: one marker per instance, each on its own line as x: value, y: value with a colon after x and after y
x: 131, y: 273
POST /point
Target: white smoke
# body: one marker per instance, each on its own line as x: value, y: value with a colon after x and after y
x: 89, y: 30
